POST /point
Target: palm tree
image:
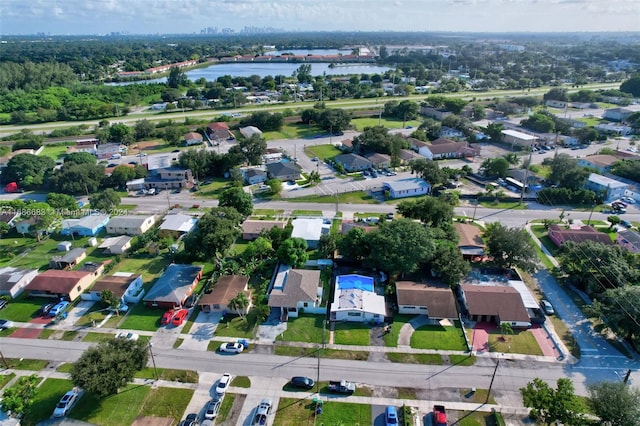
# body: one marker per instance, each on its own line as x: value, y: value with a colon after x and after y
x: 239, y: 304
x: 505, y: 328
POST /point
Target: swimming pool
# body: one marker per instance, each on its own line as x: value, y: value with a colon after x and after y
x: 354, y: 281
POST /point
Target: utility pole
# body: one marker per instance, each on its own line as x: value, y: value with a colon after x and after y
x: 526, y: 177
x: 492, y: 379
x: 155, y: 369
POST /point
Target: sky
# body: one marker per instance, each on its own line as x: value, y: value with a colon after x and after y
x: 190, y: 16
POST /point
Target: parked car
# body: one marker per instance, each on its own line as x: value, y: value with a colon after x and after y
x: 211, y: 411
x: 58, y: 309
x: 231, y: 348
x: 302, y: 382
x: 142, y: 154
x: 547, y: 307
x: 263, y: 410
x: 628, y: 200
x: 342, y: 386
x: 439, y: 415
x: 390, y: 416
x: 191, y: 300
x: 3, y: 303
x: 179, y: 317
x: 223, y: 384
x: 626, y: 223
x: 167, y: 317
x: 190, y: 420
x: 127, y: 336
x: 315, y: 159
x: 5, y: 324
x: 66, y: 403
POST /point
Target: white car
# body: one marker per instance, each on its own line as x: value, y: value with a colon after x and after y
x: 128, y: 336
x: 66, y: 403
x: 5, y: 324
x: 223, y: 384
x: 213, y: 407
x: 231, y: 348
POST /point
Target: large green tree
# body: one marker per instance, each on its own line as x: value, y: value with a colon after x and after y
x: 428, y: 170
x: 618, y: 307
x: 61, y: 201
x: 448, y: 263
x: 510, y: 247
x: 215, y: 234
x: 553, y: 405
x: 566, y: 172
x: 334, y: 119
x: 105, y: 368
x: 104, y: 200
x: 18, y: 398
x: 237, y: 198
x: 616, y: 403
x: 78, y: 179
x: 495, y: 167
x: 293, y: 252
x: 28, y: 170
x: 432, y: 211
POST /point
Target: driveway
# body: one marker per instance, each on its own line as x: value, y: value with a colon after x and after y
x: 77, y: 312
x: 202, y: 331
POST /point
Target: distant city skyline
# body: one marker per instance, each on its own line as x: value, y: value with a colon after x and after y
x: 60, y: 17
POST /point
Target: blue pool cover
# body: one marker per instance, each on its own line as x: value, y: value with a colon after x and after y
x: 354, y: 281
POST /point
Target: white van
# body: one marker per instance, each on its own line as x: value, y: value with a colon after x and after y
x: 115, y: 157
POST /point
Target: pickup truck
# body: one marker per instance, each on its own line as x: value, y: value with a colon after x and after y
x: 342, y: 386
x: 439, y: 416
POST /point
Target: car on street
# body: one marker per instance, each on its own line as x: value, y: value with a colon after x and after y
x: 5, y: 324
x: 58, y: 308
x: 302, y: 382
x: 212, y: 409
x: 177, y: 190
x: 547, y: 307
x: 167, y: 317
x: 66, y: 403
x: 231, y: 348
x: 626, y: 224
x: 390, y: 416
x: 133, y: 163
x: 315, y: 159
x: 190, y: 420
x: 176, y: 150
x: 179, y: 317
x: 262, y: 412
x: 127, y: 336
x: 142, y: 154
x: 3, y: 303
x: 223, y: 384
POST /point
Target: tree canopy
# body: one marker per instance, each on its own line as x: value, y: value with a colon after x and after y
x: 432, y: 211
x: 237, y: 198
x: 616, y: 403
x: 510, y: 247
x: 216, y: 232
x: 428, y: 170
x: 293, y: 252
x: 28, y: 170
x: 105, y: 200
x: 553, y: 405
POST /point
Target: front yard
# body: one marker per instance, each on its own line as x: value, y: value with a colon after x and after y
x: 305, y: 328
x: 351, y: 334
x: 439, y: 337
x: 293, y: 412
x: 520, y: 342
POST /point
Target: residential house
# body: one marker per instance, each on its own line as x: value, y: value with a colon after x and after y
x: 249, y: 131
x: 9, y: 217
x: 379, y: 161
x: 521, y: 139
x: 218, y: 131
x: 629, y: 239
x: 116, y: 245
x: 444, y: 148
x: 176, y: 225
x: 433, y: 300
x: 68, y: 260
x: 614, y: 129
x: 346, y: 145
x: 355, y: 300
x: 28, y: 226
x: 106, y: 150
x: 554, y: 103
x: 14, y: 280
x: 408, y: 187
x: 448, y: 132
x: 192, y: 138
x: 295, y: 291
x: 251, y: 229
x: 560, y: 235
x: 87, y: 226
x: 611, y: 188
x: 254, y: 176
x: 524, y: 175
x: 310, y: 230
x: 283, y: 171
x: 226, y: 289
x: 406, y: 155
x: 494, y: 303
x: 130, y: 225
x: 601, y: 162
x: 163, y: 178
x: 87, y: 145
x: 67, y: 285
x: 353, y: 162
x: 174, y: 286
x: 437, y: 113
x: 127, y: 287
x: 616, y: 114
x: 273, y: 155
x: 470, y: 243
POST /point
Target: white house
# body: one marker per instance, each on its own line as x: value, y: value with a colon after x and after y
x: 408, y: 187
x: 116, y: 245
x: 295, y: 291
x: 126, y: 286
x: 249, y: 131
x: 355, y: 300
x: 130, y: 225
x: 310, y: 230
x: 612, y: 188
x: 14, y: 280
x: 176, y: 225
x: 515, y: 137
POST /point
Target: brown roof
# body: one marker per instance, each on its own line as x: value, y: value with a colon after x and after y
x: 347, y: 142
x: 116, y: 284
x: 580, y: 235
x: 443, y: 146
x: 192, y: 135
x: 257, y: 226
x: 7, y: 217
x: 417, y: 142
x: 227, y: 287
x: 408, y: 155
x: 377, y: 158
x: 469, y: 235
x: 56, y: 281
x: 438, y: 299
x: 218, y: 126
x: 602, y: 160
x: 500, y: 300
x: 300, y: 285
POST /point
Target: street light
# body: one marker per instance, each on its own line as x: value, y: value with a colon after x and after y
x: 153, y: 360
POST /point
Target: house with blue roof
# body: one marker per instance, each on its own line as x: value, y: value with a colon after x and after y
x: 88, y: 226
x: 355, y: 300
x: 174, y: 286
x: 409, y: 187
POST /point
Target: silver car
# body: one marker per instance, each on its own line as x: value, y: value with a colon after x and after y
x: 213, y: 406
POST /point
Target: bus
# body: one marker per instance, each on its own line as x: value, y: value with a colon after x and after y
x: 514, y: 183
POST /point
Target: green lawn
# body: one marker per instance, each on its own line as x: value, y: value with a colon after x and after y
x: 355, y: 197
x: 97, y: 337
x: 438, y: 337
x: 294, y: 412
x: 151, y: 267
x: 389, y: 123
x: 225, y: 407
x: 214, y: 189
x: 307, y: 213
x: 464, y: 360
x: 27, y: 364
x: 305, y: 328
x: 391, y: 338
x: 507, y: 205
x: 54, y: 152
x: 520, y: 342
x: 45, y: 400
x: 293, y: 131
x: 430, y: 359
x: 166, y: 402
x: 6, y: 378
x: 142, y: 318
x: 65, y: 368
x: 267, y: 212
x: 23, y: 309
x: 114, y: 410
x: 236, y: 326
x: 323, y: 152
x: 241, y: 382
x: 25, y: 252
x: 351, y: 334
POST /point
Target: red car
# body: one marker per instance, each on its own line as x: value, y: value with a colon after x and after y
x: 180, y: 316
x: 167, y: 316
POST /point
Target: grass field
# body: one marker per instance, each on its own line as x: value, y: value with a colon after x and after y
x: 520, y: 342
x: 26, y: 364
x: 351, y: 334
x: 214, y: 189
x: 355, y: 197
x: 389, y: 123
x: 142, y: 318
x: 305, y: 328
x: 294, y: 131
x: 48, y: 394
x: 438, y: 337
x: 236, y: 326
x: 391, y: 338
x: 109, y: 411
x: 54, y: 152
x: 294, y: 412
x: 323, y: 152
x: 430, y: 359
x: 225, y: 407
x: 166, y: 402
